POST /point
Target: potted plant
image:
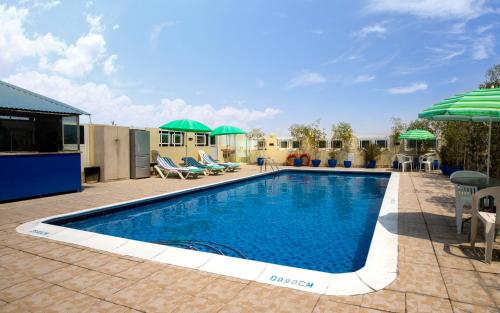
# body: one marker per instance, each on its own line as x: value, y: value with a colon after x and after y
x: 298, y: 133
x: 343, y: 132
x: 371, y: 153
x: 332, y: 158
x: 313, y: 136
x: 398, y: 127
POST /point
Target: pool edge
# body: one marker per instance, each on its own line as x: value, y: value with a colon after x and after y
x: 378, y: 272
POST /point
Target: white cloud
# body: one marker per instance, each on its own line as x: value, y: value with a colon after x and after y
x: 306, y: 78
x: 106, y: 105
x: 484, y: 28
x: 116, y: 27
x: 483, y: 47
x: 156, y: 31
x: 43, y: 4
x: 89, y: 4
x: 15, y: 44
x: 447, y: 53
x: 377, y: 29
x: 451, y: 80
x: 402, y: 90
x: 432, y: 8
x: 109, y: 65
x: 81, y: 57
x: 458, y: 28
x: 364, y: 78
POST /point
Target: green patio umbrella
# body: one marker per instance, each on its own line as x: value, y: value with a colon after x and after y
x: 417, y: 134
x: 227, y: 130
x: 480, y: 105
x: 187, y: 126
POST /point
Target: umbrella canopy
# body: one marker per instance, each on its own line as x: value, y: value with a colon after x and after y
x: 186, y: 126
x: 227, y: 130
x: 480, y: 105
x: 417, y: 134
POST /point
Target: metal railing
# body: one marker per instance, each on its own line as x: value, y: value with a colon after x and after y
x: 272, y: 165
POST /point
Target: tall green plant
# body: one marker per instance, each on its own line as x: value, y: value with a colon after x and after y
x: 371, y: 152
x: 343, y: 132
x: 308, y: 136
x: 398, y: 127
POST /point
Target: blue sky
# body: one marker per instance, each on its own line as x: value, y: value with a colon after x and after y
x: 252, y: 64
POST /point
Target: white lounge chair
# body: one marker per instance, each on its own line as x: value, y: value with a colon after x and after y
x: 167, y: 165
x: 491, y: 221
x: 404, y: 160
x: 463, y: 195
x: 207, y: 159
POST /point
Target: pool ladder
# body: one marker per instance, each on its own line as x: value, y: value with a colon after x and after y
x: 203, y: 245
x: 272, y: 165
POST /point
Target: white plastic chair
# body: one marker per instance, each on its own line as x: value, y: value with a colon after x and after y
x: 426, y: 161
x: 463, y: 195
x: 404, y: 160
x: 491, y: 221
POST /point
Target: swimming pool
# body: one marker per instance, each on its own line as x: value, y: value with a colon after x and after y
x: 321, y: 221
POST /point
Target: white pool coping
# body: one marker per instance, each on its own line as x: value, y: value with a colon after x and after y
x: 379, y: 271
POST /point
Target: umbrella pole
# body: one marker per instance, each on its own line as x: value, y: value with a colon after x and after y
x: 489, y: 152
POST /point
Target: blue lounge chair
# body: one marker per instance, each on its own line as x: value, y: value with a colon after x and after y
x: 207, y: 159
x: 210, y: 168
x: 166, y: 164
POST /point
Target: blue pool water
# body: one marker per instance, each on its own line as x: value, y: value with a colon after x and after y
x: 320, y: 221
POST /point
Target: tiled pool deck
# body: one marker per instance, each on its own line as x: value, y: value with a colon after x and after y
x: 437, y: 269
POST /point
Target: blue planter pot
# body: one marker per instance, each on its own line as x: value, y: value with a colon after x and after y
x: 371, y: 164
x: 347, y: 164
x: 332, y: 163
x: 445, y: 169
x: 395, y: 165
x: 316, y: 163
x: 455, y: 168
x: 260, y: 161
x: 435, y: 165
x: 297, y: 162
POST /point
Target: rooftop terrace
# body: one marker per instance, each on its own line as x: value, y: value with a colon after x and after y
x: 437, y: 269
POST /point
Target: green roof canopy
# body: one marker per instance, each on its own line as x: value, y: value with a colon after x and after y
x: 480, y: 105
x: 417, y: 134
x: 227, y: 130
x: 186, y: 126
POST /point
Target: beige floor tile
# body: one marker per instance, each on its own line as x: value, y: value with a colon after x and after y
x: 465, y: 286
x: 258, y: 297
x: 95, y: 260
x: 221, y: 290
x: 75, y: 256
x: 36, y: 302
x: 22, y: 289
x: 62, y: 274
x: 76, y: 304
x: 84, y: 280
x: 327, y: 306
x: 451, y: 261
x: 107, y: 287
x: 59, y: 252
x: 199, y: 305
x: 385, y: 300
x: 116, y: 266
x: 291, y: 301
x: 43, y: 266
x: 419, y: 278
x: 10, y: 278
x: 354, y: 300
x: 165, y: 301
x: 106, y: 307
x: 426, y: 304
x: 459, y: 307
x: 141, y: 270
x: 192, y: 282
x: 135, y: 295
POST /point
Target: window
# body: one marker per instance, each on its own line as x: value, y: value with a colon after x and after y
x: 322, y: 144
x: 363, y: 143
x: 171, y: 139
x: 70, y: 132
x: 164, y: 138
x: 201, y: 139
x: 177, y: 139
x: 336, y: 144
x: 284, y: 144
x: 382, y: 143
x: 213, y: 142
x: 296, y: 144
x: 261, y: 144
